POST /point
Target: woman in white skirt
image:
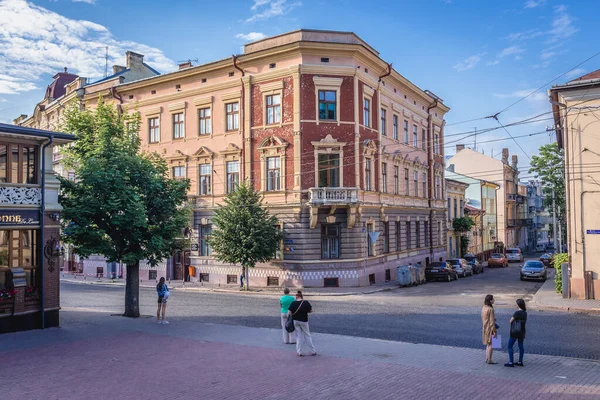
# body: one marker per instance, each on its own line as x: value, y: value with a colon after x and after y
x: 299, y: 311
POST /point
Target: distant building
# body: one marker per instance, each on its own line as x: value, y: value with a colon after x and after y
x: 456, y: 209
x: 575, y: 107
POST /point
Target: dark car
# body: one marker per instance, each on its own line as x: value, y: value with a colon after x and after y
x: 440, y: 271
x: 534, y: 270
x: 547, y: 259
x: 461, y: 266
x: 476, y: 265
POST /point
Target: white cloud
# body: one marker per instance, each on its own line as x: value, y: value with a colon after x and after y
x: 510, y: 51
x: 84, y: 1
x: 264, y: 9
x: 546, y: 55
x: 562, y: 25
x: 576, y: 73
x: 537, y: 97
x: 533, y: 3
x: 495, y: 62
x: 251, y: 37
x: 468, y: 63
x: 30, y: 50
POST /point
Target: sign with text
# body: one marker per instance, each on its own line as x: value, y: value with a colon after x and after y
x: 19, y: 217
x: 593, y: 231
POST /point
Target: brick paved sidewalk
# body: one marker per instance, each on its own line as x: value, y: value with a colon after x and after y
x: 97, y: 356
x: 547, y: 297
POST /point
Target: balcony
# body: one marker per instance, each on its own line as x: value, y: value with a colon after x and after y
x: 20, y: 195
x: 331, y: 196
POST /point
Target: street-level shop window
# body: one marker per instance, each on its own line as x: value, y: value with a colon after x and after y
x: 19, y: 249
x: 398, y: 236
x: 154, y: 129
x: 204, y: 121
x: 205, y: 178
x: 329, y: 170
x: 418, y: 234
x: 273, y: 109
x: 370, y: 243
x: 331, y: 282
x: 330, y: 241
x: 205, y: 232
x: 204, y: 277
x: 152, y: 273
x: 327, y: 105
x: 178, y: 126
x: 426, y: 232
x: 233, y: 175
x: 232, y: 111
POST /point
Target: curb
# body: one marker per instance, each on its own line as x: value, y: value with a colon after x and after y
x: 541, y: 307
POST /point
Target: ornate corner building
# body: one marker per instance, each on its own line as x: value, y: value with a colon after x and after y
x: 340, y: 144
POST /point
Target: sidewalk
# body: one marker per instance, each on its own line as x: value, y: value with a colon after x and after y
x: 102, y: 356
x: 197, y: 286
x: 547, y: 298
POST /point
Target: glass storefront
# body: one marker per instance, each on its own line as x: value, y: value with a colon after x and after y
x: 19, y: 249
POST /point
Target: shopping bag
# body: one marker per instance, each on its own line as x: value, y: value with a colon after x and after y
x: 497, y: 342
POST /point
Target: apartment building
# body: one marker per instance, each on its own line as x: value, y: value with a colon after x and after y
x: 339, y: 143
x: 455, y: 209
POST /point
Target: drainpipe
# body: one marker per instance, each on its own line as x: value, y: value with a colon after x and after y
x: 234, y: 58
x: 42, y: 224
x: 381, y: 147
x: 431, y: 176
x: 113, y: 92
x: 582, y: 237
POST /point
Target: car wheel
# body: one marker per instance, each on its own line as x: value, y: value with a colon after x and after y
x: 464, y: 274
x: 449, y: 278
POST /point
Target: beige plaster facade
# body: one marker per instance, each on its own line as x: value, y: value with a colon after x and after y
x: 456, y: 209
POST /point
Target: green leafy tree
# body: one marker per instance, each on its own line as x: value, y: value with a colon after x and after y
x: 558, y: 261
x: 463, y: 225
x: 122, y: 204
x: 245, y: 233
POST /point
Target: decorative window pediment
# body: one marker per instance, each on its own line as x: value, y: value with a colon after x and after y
x: 272, y: 145
x: 231, y: 152
x: 369, y: 147
x: 329, y: 142
x: 203, y: 154
x: 178, y: 156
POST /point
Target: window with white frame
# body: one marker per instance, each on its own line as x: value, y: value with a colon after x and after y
x: 368, y: 169
x: 436, y: 144
x: 205, y: 232
x: 424, y: 176
x: 233, y: 175
x: 405, y: 131
x: 178, y: 126
x: 396, y: 180
x: 406, y: 185
x: 329, y: 170
x: 367, y: 112
x: 416, y: 182
x: 273, y: 173
x: 154, y: 129
x: 415, y: 136
x: 232, y: 111
x: 327, y: 105
x: 384, y: 175
x: 383, y: 122
x: 273, y: 109
x: 179, y: 172
x: 205, y: 178
x: 204, y: 121
x: 395, y: 127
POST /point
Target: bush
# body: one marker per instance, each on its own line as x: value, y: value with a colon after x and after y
x: 559, y: 259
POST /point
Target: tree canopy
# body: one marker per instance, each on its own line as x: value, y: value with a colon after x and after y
x: 548, y: 167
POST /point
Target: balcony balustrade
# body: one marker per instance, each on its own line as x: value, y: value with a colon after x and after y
x: 20, y: 195
x: 332, y: 196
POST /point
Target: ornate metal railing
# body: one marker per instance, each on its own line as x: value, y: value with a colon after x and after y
x: 332, y: 196
x: 25, y: 195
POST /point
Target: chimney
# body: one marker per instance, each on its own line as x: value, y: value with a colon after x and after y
x: 185, y: 65
x: 20, y: 118
x: 460, y: 147
x: 134, y: 59
x: 118, y: 68
x: 515, y: 161
x: 505, y: 155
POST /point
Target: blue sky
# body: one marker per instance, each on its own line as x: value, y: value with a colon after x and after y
x: 479, y: 56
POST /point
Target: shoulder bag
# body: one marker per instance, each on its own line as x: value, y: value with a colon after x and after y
x: 516, y: 328
x: 289, y: 324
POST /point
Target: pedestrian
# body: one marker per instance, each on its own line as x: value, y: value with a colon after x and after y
x: 299, y: 311
x: 242, y: 277
x: 517, y: 333
x: 284, y: 302
x: 488, y: 318
x: 163, y: 295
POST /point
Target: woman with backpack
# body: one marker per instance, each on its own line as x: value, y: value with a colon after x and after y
x: 517, y: 333
x: 163, y: 295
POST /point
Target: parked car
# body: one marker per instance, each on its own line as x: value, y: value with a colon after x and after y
x: 461, y: 266
x: 476, y: 265
x: 497, y: 260
x: 440, y: 271
x: 514, y: 254
x: 550, y: 246
x: 547, y: 259
x: 534, y: 270
x: 540, y: 247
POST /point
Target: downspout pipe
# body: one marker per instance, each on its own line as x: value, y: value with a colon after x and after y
x: 42, y: 225
x: 234, y: 59
x: 388, y: 73
x: 587, y: 295
x: 431, y: 176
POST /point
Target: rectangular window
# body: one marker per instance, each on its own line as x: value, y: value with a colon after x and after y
x: 436, y: 144
x: 405, y: 131
x: 272, y: 281
x: 178, y: 126
x: 398, y: 236
x: 418, y: 234
x: 439, y: 234
x: 426, y: 232
x: 416, y: 182
x: 204, y: 121
x: 179, y: 172
x: 408, y: 244
x: 3, y: 163
x: 370, y: 243
x: 438, y: 188
x: 278, y: 253
x: 368, y: 174
x: 455, y: 209
x: 18, y: 249
x: 232, y: 111
x: 205, y: 231
x: 204, y: 277
x: 327, y: 105
x: 329, y: 170
x: 331, y: 282
x: 462, y: 209
x: 386, y: 237
x: 233, y: 175
x: 154, y: 129
x: 449, y: 209
x: 231, y: 279
x: 415, y: 136
x: 366, y: 112
x: 273, y: 173
x: 273, y: 109
x: 395, y: 129
x: 424, y: 175
x: 205, y: 178
x: 152, y: 274
x: 384, y: 177
x: 383, y: 122
x: 406, y: 185
x: 423, y: 139
x: 330, y: 241
x: 29, y: 166
x: 71, y: 176
x: 396, y: 180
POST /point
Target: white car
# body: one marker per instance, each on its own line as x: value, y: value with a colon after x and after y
x: 514, y: 254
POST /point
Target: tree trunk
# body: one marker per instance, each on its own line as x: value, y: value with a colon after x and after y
x: 247, y: 283
x: 132, y: 291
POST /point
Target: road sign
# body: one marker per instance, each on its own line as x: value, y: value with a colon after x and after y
x: 194, y: 247
x: 288, y: 241
x: 593, y: 231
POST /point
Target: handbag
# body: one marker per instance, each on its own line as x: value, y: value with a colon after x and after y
x: 167, y: 293
x: 516, y: 328
x: 289, y: 324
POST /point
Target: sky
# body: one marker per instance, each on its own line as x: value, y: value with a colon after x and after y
x: 480, y: 57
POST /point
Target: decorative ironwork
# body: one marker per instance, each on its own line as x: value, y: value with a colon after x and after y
x: 20, y: 195
x: 52, y: 251
x: 332, y: 196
